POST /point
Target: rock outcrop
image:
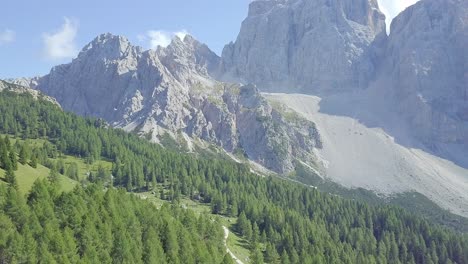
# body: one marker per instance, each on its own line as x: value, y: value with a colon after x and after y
x: 170, y: 90
x: 13, y: 87
x: 319, y: 46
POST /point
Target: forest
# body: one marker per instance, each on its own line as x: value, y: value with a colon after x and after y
x: 284, y: 222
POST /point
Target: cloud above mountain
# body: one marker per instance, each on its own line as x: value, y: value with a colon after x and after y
x: 60, y: 44
x: 155, y: 38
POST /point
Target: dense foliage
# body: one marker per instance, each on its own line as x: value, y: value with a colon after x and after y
x: 284, y: 222
x: 88, y: 225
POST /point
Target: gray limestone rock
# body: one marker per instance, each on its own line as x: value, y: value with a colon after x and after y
x: 427, y: 59
x: 310, y: 46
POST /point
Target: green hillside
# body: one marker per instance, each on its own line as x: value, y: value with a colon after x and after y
x: 276, y: 220
x: 26, y: 176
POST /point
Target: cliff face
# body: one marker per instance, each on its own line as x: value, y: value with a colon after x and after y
x: 320, y: 46
x: 170, y: 90
x: 427, y: 60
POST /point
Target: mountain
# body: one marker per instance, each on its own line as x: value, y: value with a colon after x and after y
x: 340, y: 47
x: 170, y: 91
x: 391, y: 110
x: 320, y: 46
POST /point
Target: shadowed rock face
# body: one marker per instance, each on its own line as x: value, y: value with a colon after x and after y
x: 318, y: 46
x: 427, y: 59
x: 169, y: 90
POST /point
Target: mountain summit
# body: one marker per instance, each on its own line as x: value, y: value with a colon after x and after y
x: 319, y: 46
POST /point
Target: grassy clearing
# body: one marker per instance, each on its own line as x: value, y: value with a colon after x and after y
x: 26, y: 176
x: 198, y: 208
x: 39, y: 142
x: 84, y: 168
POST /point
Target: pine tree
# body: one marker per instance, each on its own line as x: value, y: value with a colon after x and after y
x: 256, y: 255
x: 24, y: 154
x: 227, y: 259
x: 102, y: 174
x: 242, y: 224
x: 233, y: 209
x: 153, y: 251
x: 271, y: 255
x: 13, y: 160
x: 33, y: 162
x: 285, y: 258
x: 72, y: 171
x: 10, y: 178
x: 5, y: 162
x: 60, y: 166
x: 53, y: 175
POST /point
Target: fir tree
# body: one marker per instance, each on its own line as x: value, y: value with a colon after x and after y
x: 24, y: 154
x: 13, y: 160
x: 10, y: 178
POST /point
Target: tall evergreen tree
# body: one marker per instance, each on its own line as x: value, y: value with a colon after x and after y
x: 13, y: 160
x: 10, y: 178
x: 24, y: 154
x: 256, y: 255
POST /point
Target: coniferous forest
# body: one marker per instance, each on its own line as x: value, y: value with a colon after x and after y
x: 100, y: 222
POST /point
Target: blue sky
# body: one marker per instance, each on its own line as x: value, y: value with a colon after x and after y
x: 36, y: 35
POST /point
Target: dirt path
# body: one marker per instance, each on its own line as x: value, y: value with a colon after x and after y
x: 226, y: 235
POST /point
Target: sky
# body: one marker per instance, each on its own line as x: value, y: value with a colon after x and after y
x: 37, y: 35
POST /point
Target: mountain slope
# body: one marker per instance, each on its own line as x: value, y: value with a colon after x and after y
x: 302, y: 223
x: 358, y: 156
x: 170, y: 90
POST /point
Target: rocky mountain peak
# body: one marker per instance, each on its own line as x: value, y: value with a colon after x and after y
x: 191, y: 55
x: 308, y: 46
x: 109, y: 47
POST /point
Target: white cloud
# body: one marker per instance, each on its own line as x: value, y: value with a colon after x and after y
x: 181, y: 34
x: 7, y: 36
x: 155, y: 38
x: 61, y: 44
x: 392, y: 8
